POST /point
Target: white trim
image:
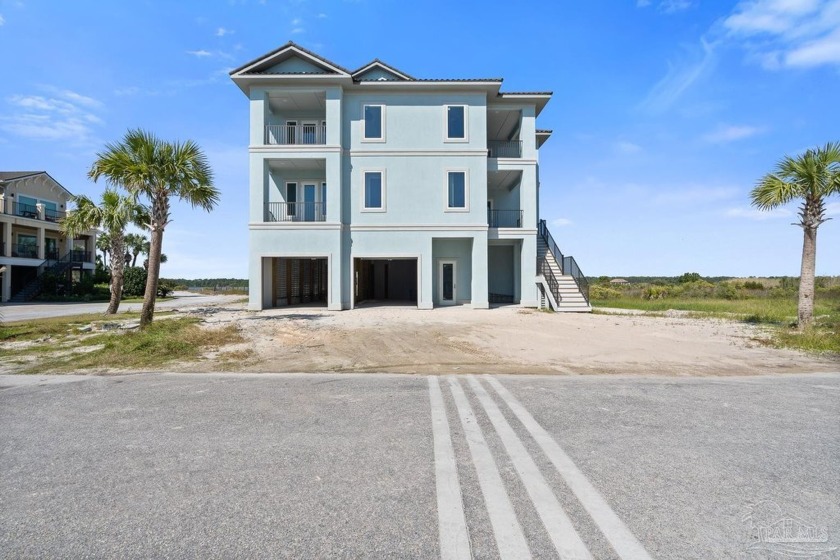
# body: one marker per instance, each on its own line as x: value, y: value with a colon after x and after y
x: 446, y: 137
x: 309, y: 226
x: 384, y: 196
x: 295, y: 149
x: 381, y: 137
x: 454, y: 263
x: 383, y: 66
x: 413, y: 227
x: 403, y: 153
x: 268, y: 60
x: 466, y: 172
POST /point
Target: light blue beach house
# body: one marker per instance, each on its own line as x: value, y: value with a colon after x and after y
x: 373, y: 186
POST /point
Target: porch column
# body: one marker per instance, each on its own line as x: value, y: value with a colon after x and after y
x: 425, y: 293
x: 40, y: 243
x: 255, y: 282
x: 6, y: 291
x: 90, y: 247
x: 528, y: 267
x: 480, y: 299
x: 7, y: 240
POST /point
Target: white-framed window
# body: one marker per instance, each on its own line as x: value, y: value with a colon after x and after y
x: 457, y: 190
x: 455, y: 120
x: 373, y: 123
x: 373, y: 190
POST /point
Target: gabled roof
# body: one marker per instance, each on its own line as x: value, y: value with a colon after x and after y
x: 6, y: 176
x: 378, y: 64
x: 261, y: 64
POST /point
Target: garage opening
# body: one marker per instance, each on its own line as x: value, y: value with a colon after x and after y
x: 300, y: 281
x: 391, y: 281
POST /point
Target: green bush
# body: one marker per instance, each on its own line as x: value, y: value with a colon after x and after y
x: 603, y: 292
x: 165, y: 287
x: 689, y: 277
x: 753, y: 285
x: 134, y: 281
x: 656, y: 292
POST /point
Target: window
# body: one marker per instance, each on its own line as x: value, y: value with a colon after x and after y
x: 373, y: 122
x: 456, y: 122
x: 291, y: 199
x: 374, y: 191
x: 457, y: 190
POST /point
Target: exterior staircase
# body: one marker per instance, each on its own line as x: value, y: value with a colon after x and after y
x: 562, y: 284
x: 56, y: 267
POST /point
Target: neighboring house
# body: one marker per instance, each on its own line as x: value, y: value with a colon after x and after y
x: 375, y: 186
x: 32, y: 205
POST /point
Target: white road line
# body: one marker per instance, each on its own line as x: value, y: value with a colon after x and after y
x: 625, y: 544
x: 506, y: 529
x: 452, y: 525
x: 566, y: 540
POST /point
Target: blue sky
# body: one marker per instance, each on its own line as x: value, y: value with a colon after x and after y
x: 665, y: 112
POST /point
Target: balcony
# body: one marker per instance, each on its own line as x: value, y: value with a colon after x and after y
x: 504, y: 218
x: 295, y: 212
x: 32, y: 211
x: 295, y: 135
x: 504, y: 148
x: 24, y: 250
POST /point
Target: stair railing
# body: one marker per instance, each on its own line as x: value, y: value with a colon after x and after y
x: 54, y: 266
x: 568, y: 265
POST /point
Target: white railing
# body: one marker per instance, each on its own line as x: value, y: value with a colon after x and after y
x: 295, y: 212
x: 295, y: 134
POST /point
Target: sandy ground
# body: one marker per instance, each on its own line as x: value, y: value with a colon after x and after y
x: 505, y: 339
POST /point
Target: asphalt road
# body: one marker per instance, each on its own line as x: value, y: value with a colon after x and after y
x: 375, y: 466
x: 38, y: 310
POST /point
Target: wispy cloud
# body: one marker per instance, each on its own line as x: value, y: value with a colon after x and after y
x: 628, y: 148
x: 698, y: 62
x: 758, y: 215
x: 62, y: 115
x: 222, y: 31
x: 667, y: 6
x: 787, y: 33
x: 2, y: 20
x: 200, y: 53
x: 724, y: 134
x: 562, y: 222
x: 694, y: 195
x: 322, y: 15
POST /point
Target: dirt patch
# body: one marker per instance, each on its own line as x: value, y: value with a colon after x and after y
x: 506, y: 339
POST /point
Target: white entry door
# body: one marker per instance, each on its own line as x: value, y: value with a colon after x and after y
x: 448, y: 287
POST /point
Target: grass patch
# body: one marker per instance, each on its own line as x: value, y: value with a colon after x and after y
x: 814, y: 339
x: 161, y: 343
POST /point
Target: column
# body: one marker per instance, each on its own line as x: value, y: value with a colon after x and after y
x: 40, y: 242
x: 480, y: 299
x: 6, y: 276
x: 7, y: 239
x: 528, y: 267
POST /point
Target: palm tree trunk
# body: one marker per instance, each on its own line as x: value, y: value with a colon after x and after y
x: 117, y: 274
x: 806, y: 277
x: 152, y: 276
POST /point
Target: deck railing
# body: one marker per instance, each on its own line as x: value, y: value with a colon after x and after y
x: 295, y: 134
x: 568, y: 264
x: 25, y: 250
x: 295, y: 212
x: 504, y: 148
x: 504, y: 218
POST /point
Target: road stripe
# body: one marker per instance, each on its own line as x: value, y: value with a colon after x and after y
x: 506, y: 529
x: 566, y: 540
x: 625, y: 544
x: 452, y: 525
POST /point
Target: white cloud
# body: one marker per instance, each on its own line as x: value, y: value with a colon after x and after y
x: 200, y: 53
x: 729, y: 133
x: 673, y: 6
x: 65, y: 115
x: 680, y: 78
x: 562, y: 222
x: 693, y: 195
x: 756, y: 214
x: 788, y: 33
x: 298, y: 30
x: 642, y: 3
x: 322, y: 15
x: 628, y: 148
x: 296, y: 22
x: 2, y: 19
x: 221, y: 32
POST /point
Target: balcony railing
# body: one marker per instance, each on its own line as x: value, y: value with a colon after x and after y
x: 21, y: 209
x: 295, y: 212
x: 80, y: 256
x: 504, y: 148
x: 25, y: 250
x: 295, y: 135
x: 504, y: 218
x: 54, y: 215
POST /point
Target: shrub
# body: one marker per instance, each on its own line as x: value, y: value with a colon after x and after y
x: 689, y: 277
x: 134, y: 281
x: 656, y: 292
x: 603, y: 292
x: 165, y: 287
x: 753, y: 285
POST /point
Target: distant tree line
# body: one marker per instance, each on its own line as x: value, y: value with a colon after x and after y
x: 210, y: 282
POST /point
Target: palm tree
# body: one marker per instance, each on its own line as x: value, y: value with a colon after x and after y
x: 134, y: 245
x: 103, y: 244
x: 113, y: 214
x: 157, y: 170
x: 810, y: 177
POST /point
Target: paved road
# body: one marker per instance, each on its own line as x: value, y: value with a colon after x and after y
x: 37, y: 310
x: 375, y: 466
